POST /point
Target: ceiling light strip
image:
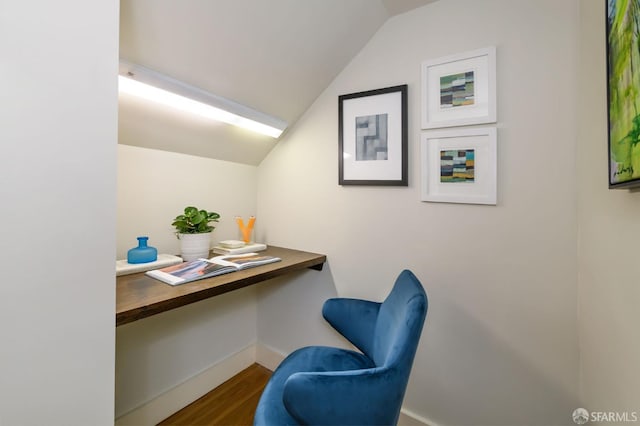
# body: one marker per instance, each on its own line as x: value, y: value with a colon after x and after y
x: 147, y: 84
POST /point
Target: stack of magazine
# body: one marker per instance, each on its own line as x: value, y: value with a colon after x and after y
x: 206, y: 268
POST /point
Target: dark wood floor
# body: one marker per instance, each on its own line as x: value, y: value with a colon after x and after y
x: 231, y: 403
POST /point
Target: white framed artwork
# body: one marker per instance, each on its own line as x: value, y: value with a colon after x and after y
x: 459, y: 165
x: 459, y: 90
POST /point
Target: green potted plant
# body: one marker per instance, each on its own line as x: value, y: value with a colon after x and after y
x: 193, y: 229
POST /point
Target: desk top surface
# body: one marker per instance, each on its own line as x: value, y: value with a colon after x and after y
x: 139, y: 296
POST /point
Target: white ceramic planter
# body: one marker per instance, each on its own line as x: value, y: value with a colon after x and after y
x: 195, y: 246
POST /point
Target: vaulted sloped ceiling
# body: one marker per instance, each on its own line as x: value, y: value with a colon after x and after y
x: 275, y: 56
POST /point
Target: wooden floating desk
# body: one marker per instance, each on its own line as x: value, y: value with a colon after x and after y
x: 139, y: 296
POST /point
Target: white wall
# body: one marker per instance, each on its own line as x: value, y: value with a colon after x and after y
x: 500, y: 345
x: 158, y: 353
x: 609, y: 226
x: 58, y: 124
x: 155, y: 186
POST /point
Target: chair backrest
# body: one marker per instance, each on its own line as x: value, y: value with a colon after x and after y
x: 399, y: 323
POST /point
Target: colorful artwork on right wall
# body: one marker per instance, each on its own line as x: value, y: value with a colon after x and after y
x: 623, y: 66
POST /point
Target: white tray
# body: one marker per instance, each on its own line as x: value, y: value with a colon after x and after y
x: 124, y: 268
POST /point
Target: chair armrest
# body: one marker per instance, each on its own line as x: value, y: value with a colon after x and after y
x: 357, y: 397
x: 355, y: 319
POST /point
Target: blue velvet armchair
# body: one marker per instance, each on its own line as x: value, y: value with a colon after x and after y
x: 319, y: 385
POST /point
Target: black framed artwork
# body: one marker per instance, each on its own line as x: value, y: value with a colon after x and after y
x: 372, y: 139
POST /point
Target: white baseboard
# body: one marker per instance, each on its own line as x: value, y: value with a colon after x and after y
x: 164, y: 405
x: 409, y: 418
x: 268, y: 357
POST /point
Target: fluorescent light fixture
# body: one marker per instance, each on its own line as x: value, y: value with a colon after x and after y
x: 147, y: 84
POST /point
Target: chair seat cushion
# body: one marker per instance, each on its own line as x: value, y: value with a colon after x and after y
x: 271, y: 410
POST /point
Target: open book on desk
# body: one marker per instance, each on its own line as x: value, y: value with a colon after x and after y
x: 206, y: 268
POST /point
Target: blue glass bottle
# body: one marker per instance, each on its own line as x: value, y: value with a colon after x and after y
x: 142, y: 253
